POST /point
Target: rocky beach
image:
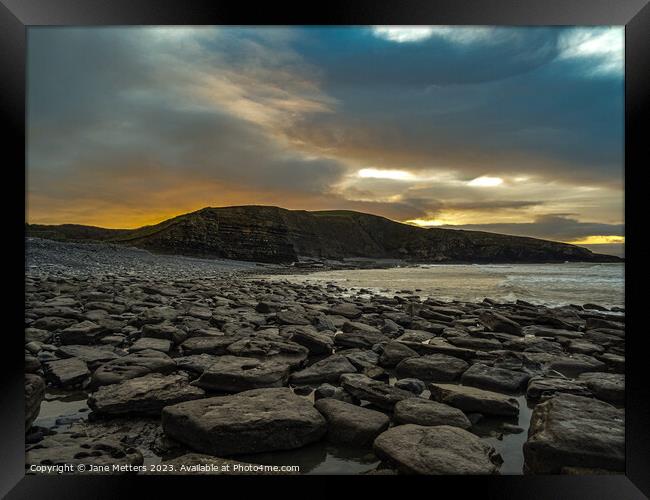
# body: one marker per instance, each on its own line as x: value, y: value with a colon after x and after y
x: 142, y: 363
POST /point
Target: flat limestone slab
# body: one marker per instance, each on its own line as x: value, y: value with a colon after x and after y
x: 283, y: 351
x: 471, y: 399
x: 416, y: 449
x: 66, y: 372
x: 378, y: 393
x: 351, y: 424
x: 92, y: 355
x: 133, y: 365
x: 434, y: 368
x: 608, y: 387
x: 237, y: 374
x: 329, y: 369
x: 575, y: 431
x: 162, y: 345
x: 494, y: 379
x: 146, y: 395
x: 85, y: 332
x: 546, y: 387
x: 249, y: 422
x: 422, y: 411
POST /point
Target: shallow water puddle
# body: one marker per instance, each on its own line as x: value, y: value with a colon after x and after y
x: 509, y: 444
x: 60, y: 408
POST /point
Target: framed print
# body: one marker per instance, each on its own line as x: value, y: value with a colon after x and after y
x: 367, y: 242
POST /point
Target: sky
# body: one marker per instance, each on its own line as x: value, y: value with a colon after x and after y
x: 517, y: 130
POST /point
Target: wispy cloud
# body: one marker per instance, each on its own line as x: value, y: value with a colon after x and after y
x: 456, y: 34
x: 604, y: 48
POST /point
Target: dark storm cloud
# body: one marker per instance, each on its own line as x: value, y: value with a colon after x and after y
x: 420, y: 105
x: 359, y: 57
x: 407, y: 208
x: 551, y: 227
x: 484, y: 206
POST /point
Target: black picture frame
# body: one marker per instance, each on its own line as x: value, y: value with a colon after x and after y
x: 17, y: 15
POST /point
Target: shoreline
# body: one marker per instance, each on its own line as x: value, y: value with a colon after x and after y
x: 306, y: 263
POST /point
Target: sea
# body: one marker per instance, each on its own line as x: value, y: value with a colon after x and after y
x: 543, y: 284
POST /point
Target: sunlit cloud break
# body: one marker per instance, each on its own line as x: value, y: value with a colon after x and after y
x: 457, y: 34
x: 599, y: 240
x: 373, y: 173
x: 604, y: 45
x: 485, y: 182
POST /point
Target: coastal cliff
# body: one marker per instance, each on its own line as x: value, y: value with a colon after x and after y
x: 273, y: 234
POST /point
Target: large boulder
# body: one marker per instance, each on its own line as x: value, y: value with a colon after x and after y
x: 155, y: 315
x: 443, y: 449
x: 279, y: 350
x: 132, y: 365
x: 575, y: 431
x: 584, y: 347
x: 237, y: 374
x: 146, y: 343
x: 473, y: 400
x: 350, y: 424
x: 196, y: 363
x: 93, y: 356
x: 378, y: 393
x: 478, y: 343
x: 307, y: 336
x: 394, y: 352
x: 575, y: 365
x: 600, y: 323
x: 360, y: 358
x: 333, y: 392
x: 329, y: 369
x: 34, y: 394
x: 422, y: 411
x: 434, y: 367
x: 66, y: 372
x: 53, y: 323
x: 546, y: 387
x: 346, y: 310
x: 414, y: 385
x: 495, y: 379
x: 615, y: 362
x: 518, y: 362
x: 85, y: 332
x: 146, y: 395
x: 164, y: 330
x: 357, y: 327
x: 36, y: 335
x: 291, y: 318
x: 440, y: 346
x: 207, y: 345
x: 249, y: 422
x: 360, y: 338
x: 499, y: 323
x: 556, y: 333
x: 608, y: 387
